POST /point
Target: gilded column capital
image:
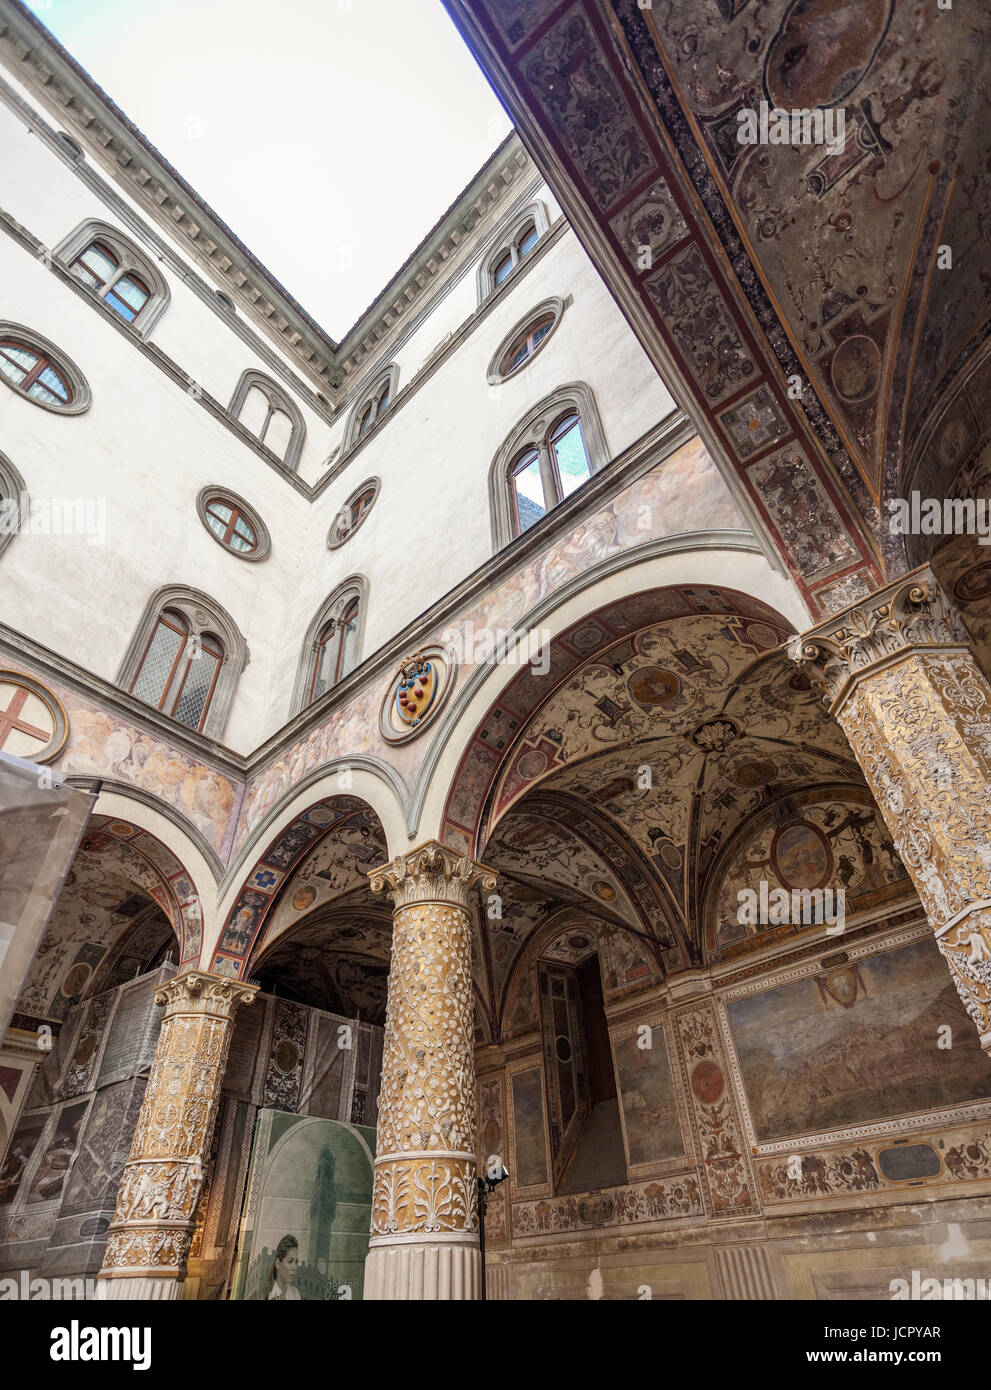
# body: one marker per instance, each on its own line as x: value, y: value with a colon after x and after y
x: 432, y: 873
x: 199, y: 992
x: 911, y: 614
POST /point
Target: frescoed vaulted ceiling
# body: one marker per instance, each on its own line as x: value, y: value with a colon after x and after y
x: 654, y: 776
x: 776, y: 264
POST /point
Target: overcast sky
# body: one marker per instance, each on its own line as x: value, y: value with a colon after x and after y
x: 329, y: 134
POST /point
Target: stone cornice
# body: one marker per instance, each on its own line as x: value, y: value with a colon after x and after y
x: 646, y: 453
x: 910, y: 614
x: 61, y: 86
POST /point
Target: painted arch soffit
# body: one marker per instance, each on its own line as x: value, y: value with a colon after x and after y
x: 772, y: 262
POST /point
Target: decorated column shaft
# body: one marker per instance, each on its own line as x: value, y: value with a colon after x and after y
x: 424, y: 1234
x: 898, y: 673
x: 153, y: 1226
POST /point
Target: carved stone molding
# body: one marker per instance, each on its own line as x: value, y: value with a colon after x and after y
x: 910, y: 614
x: 903, y: 683
x: 152, y: 1230
x: 425, y: 1186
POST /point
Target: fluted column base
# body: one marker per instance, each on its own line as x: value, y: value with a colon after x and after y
x: 144, y: 1287
x: 424, y: 1270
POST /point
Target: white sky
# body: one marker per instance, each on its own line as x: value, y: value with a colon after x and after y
x: 348, y: 126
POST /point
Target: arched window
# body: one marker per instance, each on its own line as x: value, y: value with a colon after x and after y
x: 512, y: 246
x: 553, y: 450
x: 185, y: 658
x: 13, y: 498
x: 353, y: 513
x: 372, y: 406
x: 265, y: 410
x: 99, y: 268
x: 233, y: 523
x: 332, y: 644
x: 178, y: 670
x: 35, y: 368
x: 336, y: 651
x: 108, y: 264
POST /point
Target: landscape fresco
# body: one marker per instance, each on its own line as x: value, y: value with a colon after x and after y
x: 857, y: 1044
x: 650, y: 1111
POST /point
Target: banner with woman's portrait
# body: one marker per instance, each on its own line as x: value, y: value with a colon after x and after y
x: 307, y: 1210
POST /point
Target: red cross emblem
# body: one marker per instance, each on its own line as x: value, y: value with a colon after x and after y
x: 10, y: 719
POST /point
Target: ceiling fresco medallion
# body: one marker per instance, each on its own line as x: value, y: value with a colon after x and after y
x: 651, y: 686
x: 33, y: 721
x: 801, y: 856
x: 417, y: 692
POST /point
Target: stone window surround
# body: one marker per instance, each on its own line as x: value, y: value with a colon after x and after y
x: 279, y: 400
x: 263, y: 548
x: 334, y: 539
x: 131, y: 260
x: 390, y: 375
x: 553, y: 305
x: 35, y: 342
x: 203, y: 614
x: 532, y: 429
x: 354, y: 587
x: 503, y: 240
x: 12, y: 485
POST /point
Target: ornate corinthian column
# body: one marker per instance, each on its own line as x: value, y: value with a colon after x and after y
x: 424, y: 1241
x: 898, y: 673
x: 156, y: 1207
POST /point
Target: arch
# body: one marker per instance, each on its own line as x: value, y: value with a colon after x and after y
x: 354, y: 590
x: 13, y: 490
x: 535, y: 429
x: 262, y: 890
x: 505, y: 241
x: 204, y: 616
x: 278, y: 401
x: 728, y: 558
x: 380, y: 395
x: 374, y: 783
x: 114, y: 850
x: 42, y: 347
x: 131, y: 262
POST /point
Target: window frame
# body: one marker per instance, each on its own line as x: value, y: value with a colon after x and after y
x: 13, y: 488
x: 535, y: 434
x: 335, y: 536
x: 551, y: 308
x: 205, y: 619
x: 335, y: 607
x: 20, y: 335
x: 217, y: 492
x: 132, y: 263
x: 507, y: 241
x: 175, y: 681
x: 278, y: 400
x: 385, y: 386
x: 334, y: 628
